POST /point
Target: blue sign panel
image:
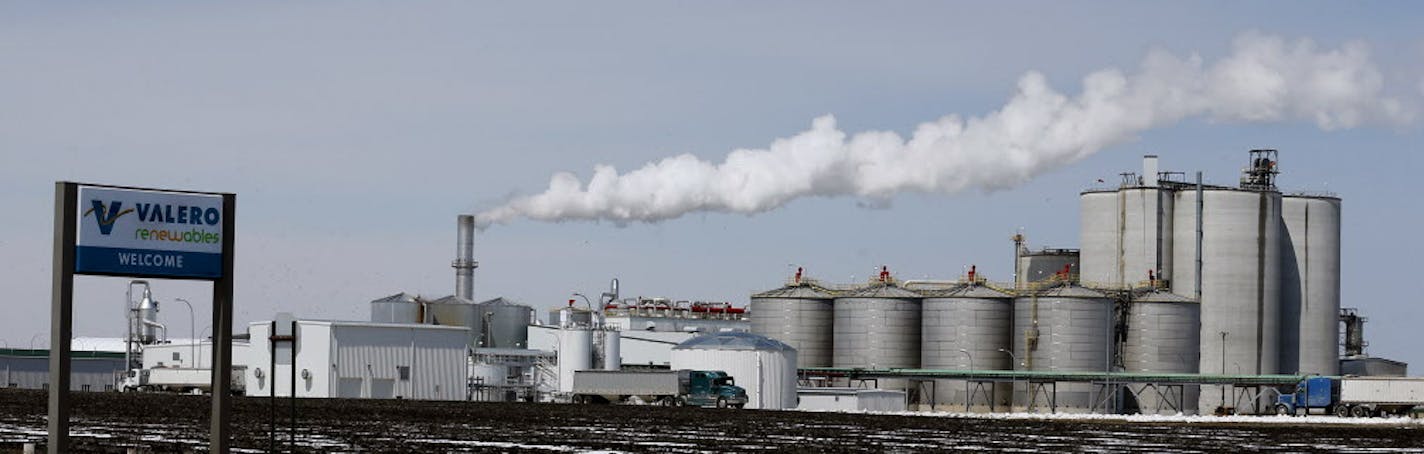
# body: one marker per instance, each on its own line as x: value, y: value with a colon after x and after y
x: 149, y: 233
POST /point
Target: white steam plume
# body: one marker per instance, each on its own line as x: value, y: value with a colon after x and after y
x: 1265, y: 79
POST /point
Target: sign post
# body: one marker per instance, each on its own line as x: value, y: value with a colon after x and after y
x: 137, y: 232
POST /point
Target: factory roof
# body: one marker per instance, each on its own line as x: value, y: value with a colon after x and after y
x: 502, y: 301
x: 733, y: 340
x: 452, y: 299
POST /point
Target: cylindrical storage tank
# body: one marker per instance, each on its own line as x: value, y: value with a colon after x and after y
x: 799, y: 316
x: 878, y: 327
x: 1240, y: 284
x: 575, y: 354
x: 1125, y: 234
x: 1310, y: 303
x: 506, y: 324
x: 397, y: 308
x: 456, y: 311
x: 1065, y: 329
x: 763, y: 366
x: 612, y: 349
x: 147, y: 319
x: 967, y: 328
x: 1163, y: 336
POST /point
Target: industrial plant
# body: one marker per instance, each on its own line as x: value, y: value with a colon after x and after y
x: 1182, y: 298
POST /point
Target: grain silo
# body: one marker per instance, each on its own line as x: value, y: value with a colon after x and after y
x: 456, y: 311
x: 1240, y: 282
x: 1127, y: 233
x: 398, y: 308
x: 967, y: 328
x: 1310, y: 303
x: 1063, y: 328
x: 1163, y: 336
x: 800, y: 315
x: 878, y: 327
x: 505, y: 323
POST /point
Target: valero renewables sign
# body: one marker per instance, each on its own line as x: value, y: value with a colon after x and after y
x: 149, y: 233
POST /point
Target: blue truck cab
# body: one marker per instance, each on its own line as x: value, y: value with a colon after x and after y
x: 1311, y: 393
x: 715, y: 388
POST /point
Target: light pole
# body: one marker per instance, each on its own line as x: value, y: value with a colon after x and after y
x: 1223, y: 368
x: 967, y: 396
x: 1014, y: 383
x: 192, y: 332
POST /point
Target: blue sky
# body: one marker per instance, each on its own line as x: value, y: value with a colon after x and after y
x: 354, y: 133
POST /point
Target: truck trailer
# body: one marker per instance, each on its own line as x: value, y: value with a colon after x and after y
x: 1353, y: 396
x: 663, y: 387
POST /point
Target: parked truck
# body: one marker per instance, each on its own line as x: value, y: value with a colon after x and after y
x: 700, y: 388
x: 1353, y: 396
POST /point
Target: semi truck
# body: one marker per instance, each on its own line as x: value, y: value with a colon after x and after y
x: 701, y: 388
x: 1358, y: 397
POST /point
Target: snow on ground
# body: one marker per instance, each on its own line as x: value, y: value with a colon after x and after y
x: 1179, y: 418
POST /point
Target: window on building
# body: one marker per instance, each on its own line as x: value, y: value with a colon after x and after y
x: 404, y: 372
x: 175, y: 357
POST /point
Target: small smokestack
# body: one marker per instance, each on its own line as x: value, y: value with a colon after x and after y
x: 465, y: 263
x: 1149, y: 171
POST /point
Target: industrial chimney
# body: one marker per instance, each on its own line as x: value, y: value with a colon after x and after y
x: 465, y: 263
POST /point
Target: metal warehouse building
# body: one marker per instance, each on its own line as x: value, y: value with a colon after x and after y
x: 358, y: 360
x: 90, y: 370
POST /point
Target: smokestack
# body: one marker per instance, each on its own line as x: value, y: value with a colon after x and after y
x: 1149, y: 171
x: 465, y: 263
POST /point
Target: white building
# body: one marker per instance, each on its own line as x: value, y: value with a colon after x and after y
x: 360, y: 360
x: 851, y: 399
x: 763, y: 366
x: 88, y: 370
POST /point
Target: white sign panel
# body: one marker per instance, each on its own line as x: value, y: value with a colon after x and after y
x: 149, y: 233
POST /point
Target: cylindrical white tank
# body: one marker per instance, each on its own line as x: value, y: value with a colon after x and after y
x: 1163, y: 336
x: 575, y: 354
x: 1310, y: 304
x: 1065, y: 328
x: 878, y: 327
x: 1126, y: 233
x: 799, y: 315
x: 612, y: 349
x: 147, y: 318
x: 1240, y: 283
x: 967, y: 328
x: 765, y: 367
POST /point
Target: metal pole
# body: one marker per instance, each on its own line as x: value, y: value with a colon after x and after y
x: 66, y: 201
x: 272, y: 388
x: 292, y: 344
x: 192, y: 333
x: 967, y: 396
x: 219, y: 435
x: 1014, y: 383
x: 1223, y: 367
x: 1200, y: 202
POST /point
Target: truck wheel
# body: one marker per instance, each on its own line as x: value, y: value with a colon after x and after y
x: 1342, y: 411
x: 679, y: 402
x: 721, y: 402
x: 1283, y: 410
x: 1360, y: 412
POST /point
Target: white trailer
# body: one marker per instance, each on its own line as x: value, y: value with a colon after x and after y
x: 1381, y: 395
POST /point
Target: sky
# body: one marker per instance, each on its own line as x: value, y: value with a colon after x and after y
x: 354, y: 133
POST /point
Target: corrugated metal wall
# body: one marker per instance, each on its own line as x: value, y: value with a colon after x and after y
x: 86, y: 374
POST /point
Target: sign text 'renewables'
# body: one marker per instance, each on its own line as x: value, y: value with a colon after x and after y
x: 149, y: 233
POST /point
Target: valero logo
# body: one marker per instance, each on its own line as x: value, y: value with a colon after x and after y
x: 106, y: 216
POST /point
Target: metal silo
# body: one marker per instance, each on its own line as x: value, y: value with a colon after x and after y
x: 800, y: 315
x: 506, y: 323
x: 967, y: 328
x: 397, y: 308
x: 455, y: 311
x: 1062, y: 328
x: 877, y: 327
x: 1040, y: 265
x: 1128, y: 232
x: 1310, y: 304
x: 1240, y: 282
x: 1163, y: 335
